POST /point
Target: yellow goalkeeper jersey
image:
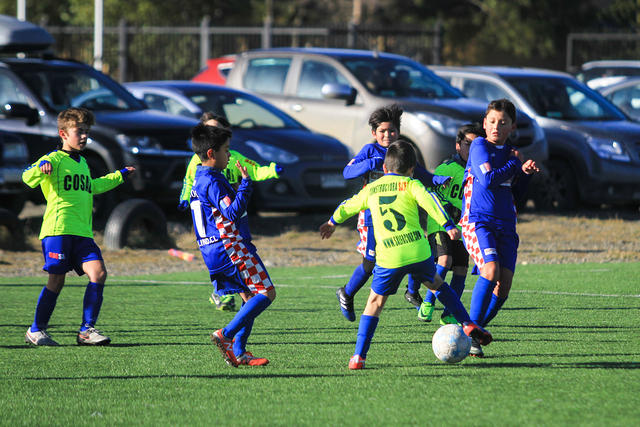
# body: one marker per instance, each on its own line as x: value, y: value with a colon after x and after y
x: 69, y: 192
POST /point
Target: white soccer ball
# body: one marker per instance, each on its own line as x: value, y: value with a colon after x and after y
x: 450, y: 344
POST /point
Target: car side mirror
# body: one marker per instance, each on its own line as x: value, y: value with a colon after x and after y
x: 18, y: 110
x: 339, y: 91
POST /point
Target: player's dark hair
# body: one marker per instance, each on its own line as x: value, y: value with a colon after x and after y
x: 503, y: 105
x: 401, y: 156
x: 466, y: 129
x: 205, y: 137
x: 390, y: 113
x: 210, y: 115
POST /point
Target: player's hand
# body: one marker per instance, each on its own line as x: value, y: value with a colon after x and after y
x: 327, y: 229
x: 530, y: 167
x: 243, y: 170
x: 131, y: 169
x: 183, y: 205
x: 45, y: 167
x: 516, y: 153
x: 454, y: 234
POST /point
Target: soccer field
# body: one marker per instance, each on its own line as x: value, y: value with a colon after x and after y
x: 566, y: 352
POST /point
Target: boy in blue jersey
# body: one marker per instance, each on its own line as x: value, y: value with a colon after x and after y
x: 222, y: 233
x: 450, y: 254
x: 385, y: 128
x: 67, y: 233
x: 401, y: 244
x: 489, y: 214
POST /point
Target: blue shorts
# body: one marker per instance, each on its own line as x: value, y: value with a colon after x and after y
x: 249, y: 276
x: 66, y: 253
x: 387, y: 280
x: 491, y: 242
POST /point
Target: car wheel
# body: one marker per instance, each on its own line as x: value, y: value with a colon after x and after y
x: 11, y: 231
x: 136, y: 223
x: 558, y: 189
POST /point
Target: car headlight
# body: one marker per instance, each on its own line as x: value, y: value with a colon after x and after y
x: 440, y: 123
x: 272, y: 154
x: 137, y: 143
x: 609, y: 149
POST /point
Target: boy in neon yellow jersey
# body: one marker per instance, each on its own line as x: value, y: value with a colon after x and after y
x: 67, y: 232
x: 256, y: 173
x: 401, y: 247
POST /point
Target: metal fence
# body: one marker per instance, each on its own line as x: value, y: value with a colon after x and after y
x: 156, y: 53
x: 583, y: 47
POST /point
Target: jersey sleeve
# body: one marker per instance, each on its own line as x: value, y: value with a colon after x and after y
x: 107, y: 182
x: 361, y: 164
x: 427, y: 178
x: 33, y: 176
x: 256, y: 171
x: 479, y: 156
x: 431, y: 203
x: 189, y: 177
x: 232, y: 206
x: 351, y: 207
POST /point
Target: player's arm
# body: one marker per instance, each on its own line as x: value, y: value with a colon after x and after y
x: 189, y: 177
x: 361, y: 164
x: 487, y: 176
x: 428, y: 179
x: 38, y: 171
x: 232, y: 209
x: 344, y: 211
x: 111, y: 180
x: 256, y: 171
x: 430, y: 202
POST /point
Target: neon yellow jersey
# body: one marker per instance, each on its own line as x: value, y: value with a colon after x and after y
x: 393, y: 201
x: 255, y: 171
x: 453, y: 192
x: 69, y: 192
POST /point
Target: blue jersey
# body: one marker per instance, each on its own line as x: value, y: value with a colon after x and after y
x: 368, y: 165
x: 487, y: 193
x: 219, y: 218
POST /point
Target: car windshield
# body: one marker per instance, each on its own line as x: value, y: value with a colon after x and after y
x: 242, y: 110
x: 563, y: 99
x: 396, y: 78
x: 64, y: 88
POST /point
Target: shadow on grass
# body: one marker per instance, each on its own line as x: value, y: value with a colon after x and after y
x: 568, y: 365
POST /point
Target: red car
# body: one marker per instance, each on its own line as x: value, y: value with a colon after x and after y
x: 216, y: 70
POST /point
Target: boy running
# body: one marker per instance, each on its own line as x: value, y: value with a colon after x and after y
x: 67, y: 233
x: 402, y: 248
x: 489, y: 214
x: 219, y: 218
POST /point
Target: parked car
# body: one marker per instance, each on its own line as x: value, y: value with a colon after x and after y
x: 334, y: 91
x: 596, y: 74
x: 594, y: 154
x: 312, y: 162
x: 216, y: 71
x: 625, y: 95
x: 13, y: 160
x: 34, y: 89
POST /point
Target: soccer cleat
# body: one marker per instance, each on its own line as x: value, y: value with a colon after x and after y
x: 449, y: 319
x: 224, y: 302
x: 39, y: 338
x: 250, y: 360
x: 413, y: 299
x: 346, y: 304
x: 425, y: 312
x: 356, y: 362
x: 92, y: 336
x: 226, y: 347
x: 482, y: 336
x: 476, y: 349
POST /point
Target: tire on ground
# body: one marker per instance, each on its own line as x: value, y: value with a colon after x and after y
x: 136, y: 223
x: 11, y: 231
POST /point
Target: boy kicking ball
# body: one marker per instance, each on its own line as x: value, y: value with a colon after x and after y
x: 67, y: 233
x: 400, y: 243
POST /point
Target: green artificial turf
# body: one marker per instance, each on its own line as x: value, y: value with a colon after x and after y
x: 566, y: 352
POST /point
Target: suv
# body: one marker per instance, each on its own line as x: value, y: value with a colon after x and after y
x: 594, y: 154
x: 34, y: 90
x: 335, y: 90
x: 597, y: 74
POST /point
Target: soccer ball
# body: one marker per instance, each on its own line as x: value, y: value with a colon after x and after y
x: 450, y: 344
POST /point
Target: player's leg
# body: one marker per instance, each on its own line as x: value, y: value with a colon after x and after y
x: 345, y: 294
x: 459, y: 267
x: 499, y: 295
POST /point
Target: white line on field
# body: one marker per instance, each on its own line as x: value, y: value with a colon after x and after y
x: 283, y: 285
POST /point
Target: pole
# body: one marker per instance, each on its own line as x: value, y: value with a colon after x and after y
x: 97, y: 34
x: 22, y: 10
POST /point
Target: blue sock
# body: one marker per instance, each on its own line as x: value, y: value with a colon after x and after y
x: 91, y: 305
x: 357, y: 281
x: 430, y: 297
x: 246, y: 315
x: 457, y: 284
x: 414, y: 285
x: 480, y: 299
x: 240, y: 343
x: 367, y: 328
x: 44, y: 308
x: 494, y: 306
x: 450, y: 300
